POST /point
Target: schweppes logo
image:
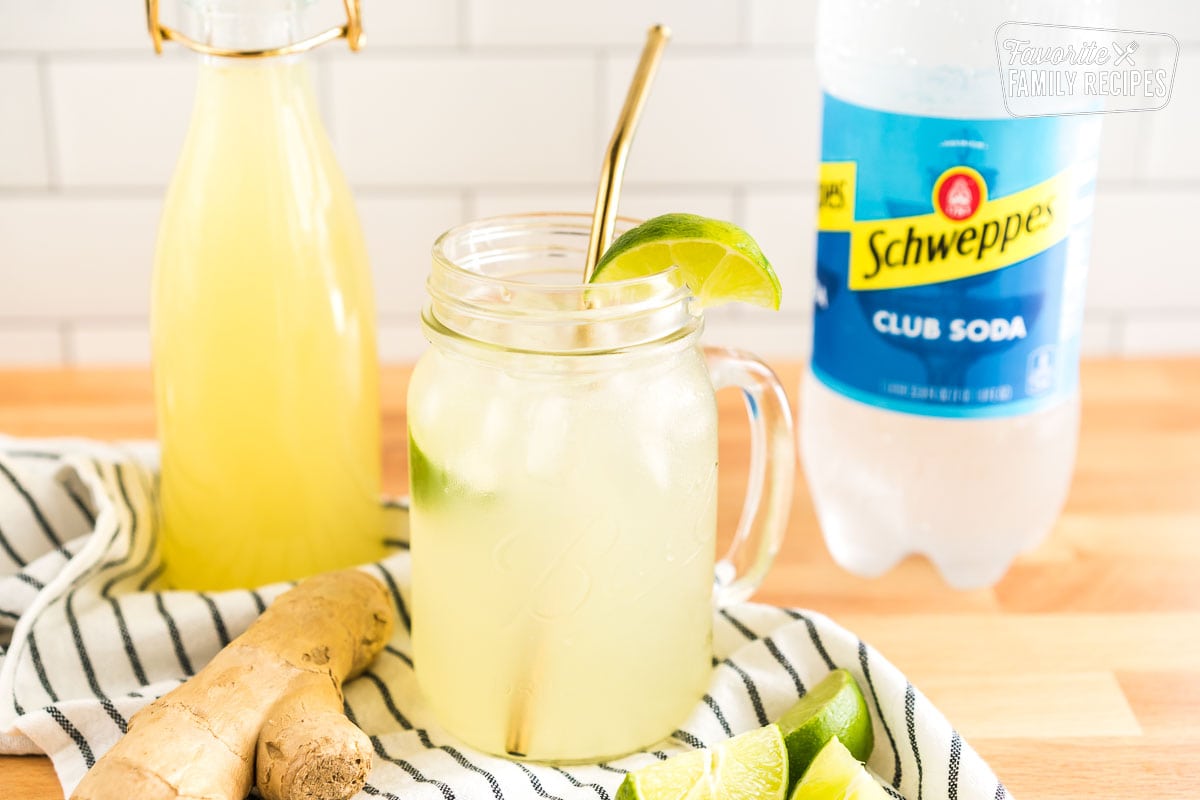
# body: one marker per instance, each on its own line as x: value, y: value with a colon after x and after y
x: 967, y: 234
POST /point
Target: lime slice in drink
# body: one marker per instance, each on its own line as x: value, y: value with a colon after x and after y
x: 720, y: 262
x: 835, y: 774
x: 430, y: 483
x: 752, y: 766
x: 834, y: 707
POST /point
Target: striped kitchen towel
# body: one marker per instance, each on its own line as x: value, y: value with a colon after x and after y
x: 87, y: 637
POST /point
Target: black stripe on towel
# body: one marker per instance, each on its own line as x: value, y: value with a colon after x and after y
x: 610, y: 768
x: 399, y: 654
x: 46, y: 454
x: 396, y: 713
x: 412, y: 771
x: 84, y: 749
x: 44, y: 523
x: 134, y: 661
x: 739, y: 625
x: 716, y: 710
x: 497, y: 792
x: 397, y: 544
x: 600, y: 790
x: 910, y: 707
x: 80, y: 503
x: 751, y: 690
x: 111, y: 583
x: 955, y: 756
x: 185, y: 662
x: 787, y: 665
x: 535, y: 783
x: 866, y: 668
x: 151, y: 577
x: 89, y: 672
x: 371, y: 790
x: 217, y: 620
x: 396, y: 597
x: 40, y: 668
x: 813, y: 636
x: 688, y: 739
x: 12, y: 554
x: 25, y: 577
x: 423, y: 735
x: 259, y: 603
x: 1001, y: 792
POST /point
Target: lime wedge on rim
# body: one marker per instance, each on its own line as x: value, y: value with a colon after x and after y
x: 720, y: 262
x: 835, y: 707
x: 752, y: 766
x: 835, y: 774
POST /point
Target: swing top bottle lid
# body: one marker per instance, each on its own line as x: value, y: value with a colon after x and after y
x: 233, y: 29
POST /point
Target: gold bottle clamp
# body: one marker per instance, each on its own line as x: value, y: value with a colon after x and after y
x: 352, y: 32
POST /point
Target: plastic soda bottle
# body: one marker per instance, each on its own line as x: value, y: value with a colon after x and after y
x: 940, y: 413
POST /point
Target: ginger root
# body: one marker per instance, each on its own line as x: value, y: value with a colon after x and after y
x: 274, y: 692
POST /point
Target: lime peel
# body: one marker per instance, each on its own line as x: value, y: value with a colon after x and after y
x: 835, y: 774
x: 835, y: 707
x: 751, y: 766
x: 719, y: 261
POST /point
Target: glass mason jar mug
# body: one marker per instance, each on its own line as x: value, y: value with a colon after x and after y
x: 563, y: 461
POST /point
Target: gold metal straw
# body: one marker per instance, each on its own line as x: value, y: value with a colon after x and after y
x: 516, y: 739
x: 608, y: 193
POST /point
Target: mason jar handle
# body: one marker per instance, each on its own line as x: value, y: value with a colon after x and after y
x: 772, y: 475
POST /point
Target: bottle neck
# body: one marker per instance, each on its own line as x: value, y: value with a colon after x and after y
x: 245, y: 25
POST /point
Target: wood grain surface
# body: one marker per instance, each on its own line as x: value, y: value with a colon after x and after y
x: 1078, y: 675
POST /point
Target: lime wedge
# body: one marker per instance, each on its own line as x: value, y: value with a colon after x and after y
x: 834, y: 707
x: 429, y: 483
x: 667, y: 780
x: 752, y: 766
x: 720, y: 262
x: 835, y: 774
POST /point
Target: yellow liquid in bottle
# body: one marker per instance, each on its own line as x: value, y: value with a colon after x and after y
x: 266, y: 376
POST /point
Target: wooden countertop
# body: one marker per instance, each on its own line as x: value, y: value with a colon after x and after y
x: 1078, y: 675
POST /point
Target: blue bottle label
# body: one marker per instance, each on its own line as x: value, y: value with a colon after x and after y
x: 951, y: 260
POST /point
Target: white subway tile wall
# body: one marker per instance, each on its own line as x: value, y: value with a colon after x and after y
x: 108, y: 342
x: 31, y: 346
x: 464, y: 108
x: 22, y: 132
x: 119, y: 121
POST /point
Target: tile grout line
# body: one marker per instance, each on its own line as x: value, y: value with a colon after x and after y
x: 600, y: 62
x: 1109, y: 187
x: 468, y: 204
x: 1116, y: 335
x: 738, y: 206
x: 66, y: 345
x: 745, y: 23
x: 463, y: 25
x: 49, y: 127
